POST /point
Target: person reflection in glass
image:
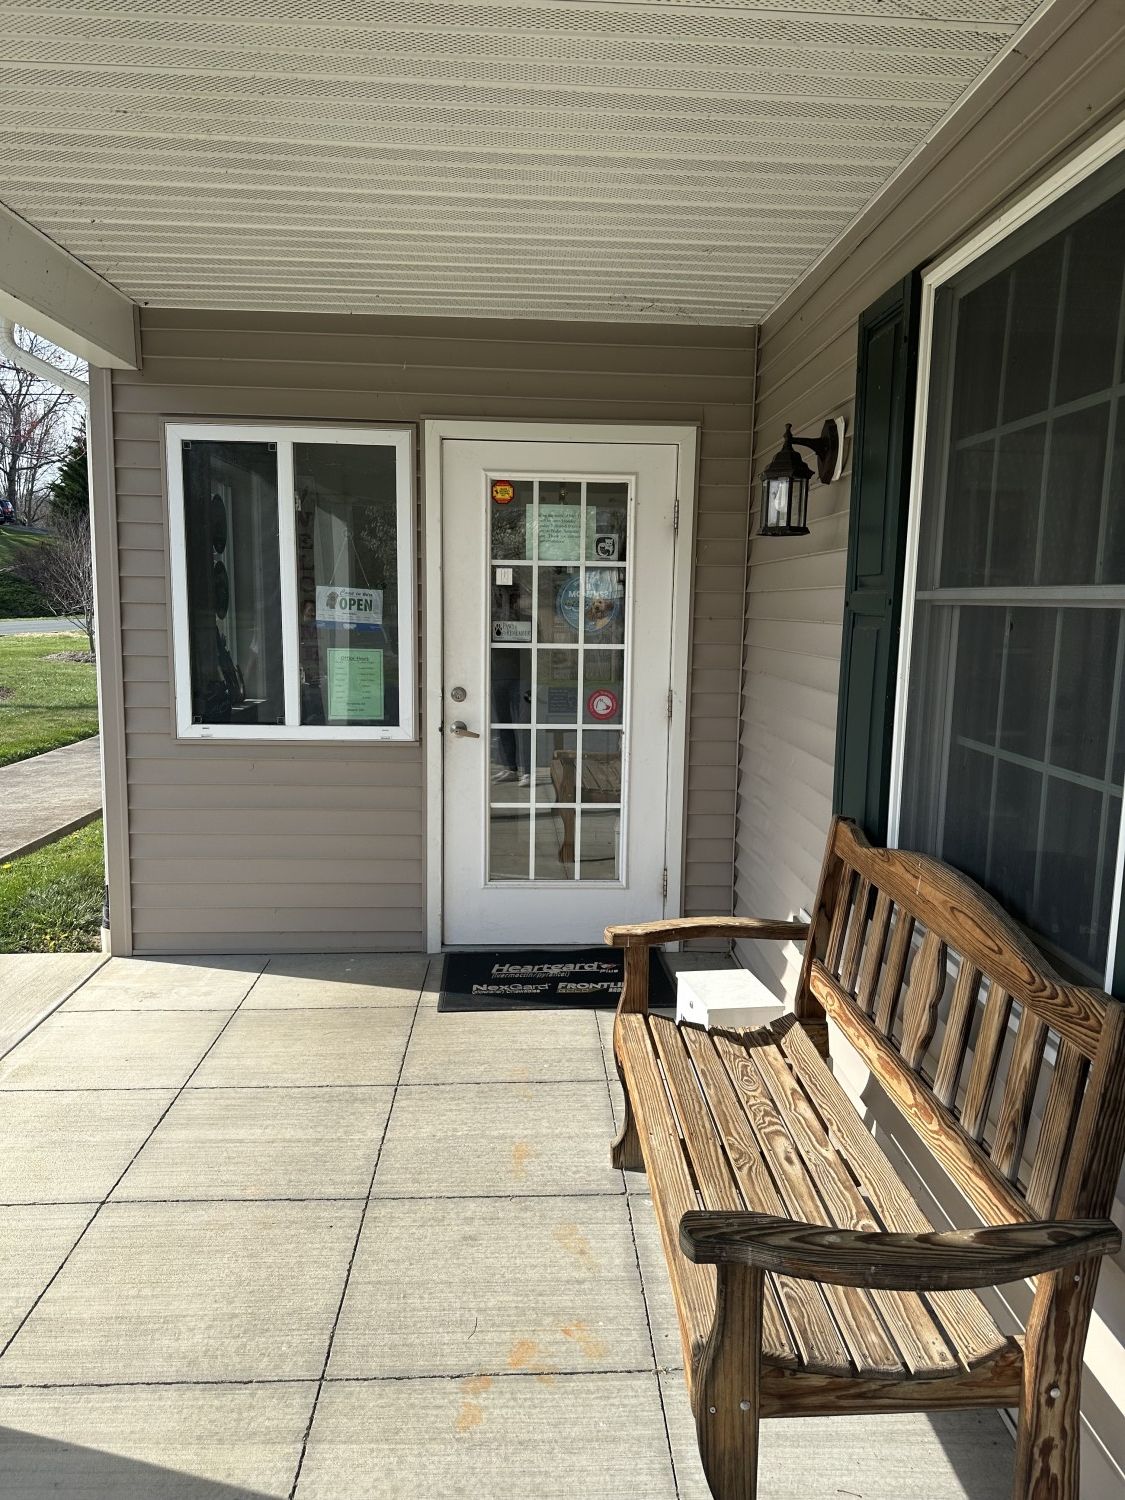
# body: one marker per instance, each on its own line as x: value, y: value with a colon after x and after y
x: 510, y: 704
x: 312, y: 699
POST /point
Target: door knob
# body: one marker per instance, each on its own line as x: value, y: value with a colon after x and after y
x: 462, y: 730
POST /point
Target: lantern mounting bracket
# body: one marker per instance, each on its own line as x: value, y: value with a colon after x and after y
x: 829, y: 449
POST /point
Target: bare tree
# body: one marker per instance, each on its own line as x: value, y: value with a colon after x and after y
x: 63, y: 571
x: 36, y: 426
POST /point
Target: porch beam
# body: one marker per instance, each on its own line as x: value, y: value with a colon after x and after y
x: 46, y: 289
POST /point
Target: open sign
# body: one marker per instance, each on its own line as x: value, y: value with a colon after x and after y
x: 353, y: 608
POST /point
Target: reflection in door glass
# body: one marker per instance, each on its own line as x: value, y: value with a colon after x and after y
x: 558, y: 677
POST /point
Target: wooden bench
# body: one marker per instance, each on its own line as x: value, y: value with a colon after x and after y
x: 807, y: 1279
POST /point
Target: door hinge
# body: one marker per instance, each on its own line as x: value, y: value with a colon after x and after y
x: 676, y: 514
x: 664, y: 883
x: 671, y: 701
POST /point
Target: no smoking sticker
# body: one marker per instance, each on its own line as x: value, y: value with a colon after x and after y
x: 602, y: 704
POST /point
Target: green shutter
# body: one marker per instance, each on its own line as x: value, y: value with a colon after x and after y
x: 881, y: 450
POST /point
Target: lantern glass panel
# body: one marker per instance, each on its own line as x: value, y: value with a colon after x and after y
x: 777, y: 502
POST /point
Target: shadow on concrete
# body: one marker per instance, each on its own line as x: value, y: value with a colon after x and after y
x: 33, y: 1468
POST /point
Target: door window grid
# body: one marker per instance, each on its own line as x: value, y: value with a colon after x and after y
x: 562, y: 798
x: 958, y: 584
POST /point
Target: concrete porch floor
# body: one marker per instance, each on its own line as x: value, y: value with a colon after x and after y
x: 279, y: 1228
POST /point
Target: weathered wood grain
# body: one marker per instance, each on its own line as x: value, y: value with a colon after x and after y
x: 873, y: 953
x: 796, y: 1393
x: 992, y: 1195
x: 1056, y: 1132
x: 955, y: 1042
x: 927, y: 985
x: 977, y: 927
x: 971, y: 1332
x: 725, y: 1387
x: 857, y: 932
x: 890, y: 986
x: 641, y: 934
x: 707, y: 1155
x: 943, y: 1260
x: 814, y: 1328
x: 1019, y: 1095
x: 986, y: 1061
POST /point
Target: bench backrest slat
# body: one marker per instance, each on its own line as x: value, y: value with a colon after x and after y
x: 903, y: 951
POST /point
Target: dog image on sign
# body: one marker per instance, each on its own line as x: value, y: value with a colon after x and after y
x: 351, y: 608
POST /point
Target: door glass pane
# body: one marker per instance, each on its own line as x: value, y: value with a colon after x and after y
x: 510, y: 513
x: 558, y: 627
x: 557, y: 689
x: 556, y: 765
x: 347, y: 582
x: 233, y: 565
x: 509, y: 849
x: 599, y: 858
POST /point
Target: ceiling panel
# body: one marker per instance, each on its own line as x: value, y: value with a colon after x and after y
x: 676, y: 160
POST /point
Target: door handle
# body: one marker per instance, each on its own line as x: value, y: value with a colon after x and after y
x: 462, y: 731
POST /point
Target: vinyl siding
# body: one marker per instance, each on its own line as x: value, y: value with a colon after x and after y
x: 1039, y: 109
x: 259, y: 848
x: 1069, y: 86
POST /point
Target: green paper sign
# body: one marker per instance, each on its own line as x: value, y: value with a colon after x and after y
x: 355, y: 684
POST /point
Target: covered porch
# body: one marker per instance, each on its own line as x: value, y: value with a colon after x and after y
x: 275, y: 1227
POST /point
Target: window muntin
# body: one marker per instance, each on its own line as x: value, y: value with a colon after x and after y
x: 558, y: 677
x: 1014, y: 744
x: 305, y: 535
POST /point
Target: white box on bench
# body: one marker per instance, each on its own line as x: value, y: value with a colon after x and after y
x: 732, y: 998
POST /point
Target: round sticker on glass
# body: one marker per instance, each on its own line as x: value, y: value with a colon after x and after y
x: 503, y: 491
x: 602, y: 704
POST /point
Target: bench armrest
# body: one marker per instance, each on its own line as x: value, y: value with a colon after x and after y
x: 947, y: 1261
x: 644, y: 934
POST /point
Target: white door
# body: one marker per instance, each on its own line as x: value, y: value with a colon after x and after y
x: 558, y: 562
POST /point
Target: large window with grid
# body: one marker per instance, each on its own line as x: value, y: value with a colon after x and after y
x: 1013, y: 738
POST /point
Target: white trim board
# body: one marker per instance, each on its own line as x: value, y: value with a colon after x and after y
x: 1108, y: 146
x: 436, y: 431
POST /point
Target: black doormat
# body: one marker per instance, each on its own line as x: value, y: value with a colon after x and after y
x: 528, y: 978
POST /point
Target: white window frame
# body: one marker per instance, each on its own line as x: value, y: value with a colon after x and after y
x: 1040, y: 198
x: 285, y: 435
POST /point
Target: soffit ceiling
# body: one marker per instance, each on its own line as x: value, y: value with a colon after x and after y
x: 684, y: 160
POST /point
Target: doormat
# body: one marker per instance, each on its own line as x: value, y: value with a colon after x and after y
x: 528, y: 978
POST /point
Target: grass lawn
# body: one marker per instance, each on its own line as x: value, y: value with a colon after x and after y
x: 51, y: 900
x: 19, y: 600
x: 44, y: 704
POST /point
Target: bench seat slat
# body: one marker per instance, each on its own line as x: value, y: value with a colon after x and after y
x: 909, y: 1321
x: 714, y: 1180
x: 970, y: 1330
x: 815, y: 1334
x: 693, y: 1287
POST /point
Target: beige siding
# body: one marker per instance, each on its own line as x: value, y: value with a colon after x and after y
x: 1034, y: 113
x: 271, y: 848
x: 1045, y: 109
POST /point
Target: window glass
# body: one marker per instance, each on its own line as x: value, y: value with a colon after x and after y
x: 231, y: 560
x: 1015, y: 728
x: 347, y: 583
x: 292, y: 582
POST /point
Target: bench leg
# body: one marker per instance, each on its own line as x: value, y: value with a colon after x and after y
x: 1049, y: 1428
x: 625, y: 1153
x: 725, y: 1388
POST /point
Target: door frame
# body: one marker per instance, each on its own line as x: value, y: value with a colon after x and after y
x: 437, y: 430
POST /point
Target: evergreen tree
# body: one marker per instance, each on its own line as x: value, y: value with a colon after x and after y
x: 70, y: 489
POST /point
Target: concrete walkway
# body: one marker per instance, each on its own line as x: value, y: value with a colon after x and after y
x: 49, y: 795
x: 282, y: 1229
x: 33, y: 984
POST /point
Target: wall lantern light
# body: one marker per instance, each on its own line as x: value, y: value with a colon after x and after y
x: 785, y: 480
